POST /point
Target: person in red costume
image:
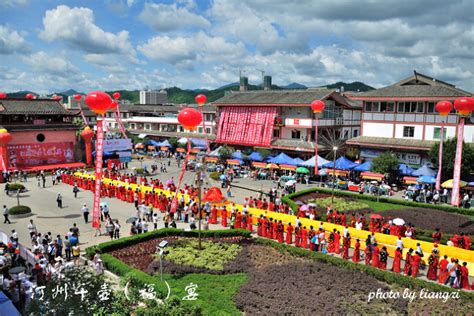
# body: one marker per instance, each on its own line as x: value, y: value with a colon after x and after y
x: 356, y: 254
x: 467, y: 241
x: 275, y: 230
x: 343, y: 219
x: 375, y: 256
x: 397, y: 260
x: 238, y: 220
x: 433, y: 262
x: 415, y: 266
x: 289, y: 234
x: 249, y: 223
x: 280, y: 229
x: 213, y: 215
x: 337, y: 242
x: 224, y: 217
x: 353, y: 221
x: 298, y: 236
x: 408, y: 262
x: 464, y: 276
x: 443, y: 269
x: 270, y: 229
x: 260, y: 225
x: 304, y: 237
x: 331, y: 244
x: 346, y: 244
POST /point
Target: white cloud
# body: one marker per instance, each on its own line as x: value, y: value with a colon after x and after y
x: 164, y: 17
x: 12, y: 3
x: 11, y: 41
x: 184, y: 50
x: 107, y: 63
x: 56, y: 64
x: 76, y: 27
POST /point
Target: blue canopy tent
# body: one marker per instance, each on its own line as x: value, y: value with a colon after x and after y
x: 282, y: 159
x: 6, y: 306
x: 342, y: 164
x: 298, y: 161
x: 405, y: 170
x: 424, y: 171
x: 255, y: 156
x: 198, y: 142
x: 269, y: 158
x: 238, y: 155
x: 104, y: 153
x: 152, y: 143
x: 364, y: 167
x: 426, y: 179
x: 310, y: 162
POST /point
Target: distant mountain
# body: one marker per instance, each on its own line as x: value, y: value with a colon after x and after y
x: 69, y: 92
x: 229, y: 85
x: 295, y: 85
x: 20, y: 94
x: 353, y: 86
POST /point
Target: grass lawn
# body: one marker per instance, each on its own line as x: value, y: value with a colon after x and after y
x: 215, y: 292
x: 380, y: 206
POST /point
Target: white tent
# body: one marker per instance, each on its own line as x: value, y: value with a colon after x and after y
x: 183, y: 140
x: 215, y: 152
x: 310, y: 162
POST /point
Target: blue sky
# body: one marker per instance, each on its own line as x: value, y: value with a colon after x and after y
x: 49, y: 46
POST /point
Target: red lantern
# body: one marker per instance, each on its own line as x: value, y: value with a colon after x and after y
x: 77, y: 97
x: 57, y: 98
x: 444, y: 107
x: 189, y: 118
x: 3, y: 95
x: 213, y: 195
x: 464, y: 105
x: 317, y: 106
x: 116, y: 95
x: 5, y: 137
x: 30, y: 96
x: 113, y: 105
x: 98, y: 102
x: 201, y: 99
x: 87, y: 133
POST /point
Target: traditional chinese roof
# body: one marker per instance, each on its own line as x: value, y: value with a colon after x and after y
x: 37, y: 107
x: 418, y: 85
x: 385, y: 142
x: 274, y: 97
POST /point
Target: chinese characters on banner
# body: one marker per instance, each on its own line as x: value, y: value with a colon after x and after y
x: 246, y: 125
x: 457, y: 164
x: 99, y: 148
x: 40, y: 154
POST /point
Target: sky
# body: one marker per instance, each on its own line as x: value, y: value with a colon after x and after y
x: 49, y: 46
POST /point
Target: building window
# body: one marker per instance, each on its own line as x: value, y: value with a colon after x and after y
x: 200, y: 130
x: 276, y: 133
x: 431, y: 107
x: 116, y: 125
x: 208, y: 130
x: 295, y: 134
x: 132, y: 126
x: 148, y: 126
x: 387, y: 106
x: 437, y: 133
x: 410, y: 107
x: 355, y: 133
x: 408, y: 131
x: 180, y: 129
x: 346, y: 134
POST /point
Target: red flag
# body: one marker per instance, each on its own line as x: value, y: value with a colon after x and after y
x: 99, y: 148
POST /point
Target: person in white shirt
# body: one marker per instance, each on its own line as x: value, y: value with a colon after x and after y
x: 345, y: 232
x: 32, y: 228
x: 408, y: 233
x: 297, y: 222
x: 358, y: 225
x: 85, y: 213
x: 155, y: 221
x: 399, y: 243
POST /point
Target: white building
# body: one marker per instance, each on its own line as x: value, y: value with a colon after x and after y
x: 153, y: 97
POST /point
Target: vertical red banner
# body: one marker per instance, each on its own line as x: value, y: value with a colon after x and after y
x: 457, y: 164
x: 99, y: 148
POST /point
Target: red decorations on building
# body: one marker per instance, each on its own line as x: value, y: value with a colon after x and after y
x: 30, y: 96
x: 444, y: 107
x: 3, y: 95
x: 56, y: 98
x: 317, y: 106
x: 5, y: 137
x: 201, y: 99
x: 99, y: 102
x: 88, y: 134
x: 189, y: 118
x: 77, y: 97
x: 113, y: 105
x: 213, y: 195
x: 464, y: 105
x: 116, y: 95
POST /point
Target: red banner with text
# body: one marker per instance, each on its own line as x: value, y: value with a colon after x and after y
x: 40, y: 154
x: 99, y: 149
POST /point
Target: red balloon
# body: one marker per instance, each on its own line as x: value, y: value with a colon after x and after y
x: 464, y: 105
x: 87, y: 133
x: 98, y: 102
x: 317, y: 106
x: 5, y: 137
x: 201, y: 99
x: 444, y: 107
x: 30, y: 96
x: 3, y: 95
x: 113, y: 105
x: 77, y: 97
x: 189, y: 118
x: 116, y: 95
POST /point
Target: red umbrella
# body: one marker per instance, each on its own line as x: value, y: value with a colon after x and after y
x: 214, y: 195
x: 375, y: 216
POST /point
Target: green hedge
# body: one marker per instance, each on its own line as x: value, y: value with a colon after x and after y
x: 164, y: 232
x: 15, y: 187
x: 382, y: 275
x: 288, y: 200
x: 20, y: 209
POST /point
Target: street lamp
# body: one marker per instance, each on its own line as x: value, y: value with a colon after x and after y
x: 160, y: 250
x: 333, y: 174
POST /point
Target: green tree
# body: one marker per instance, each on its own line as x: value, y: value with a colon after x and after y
x: 263, y: 152
x: 386, y: 163
x: 449, y: 154
x: 173, y: 142
x: 226, y: 152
